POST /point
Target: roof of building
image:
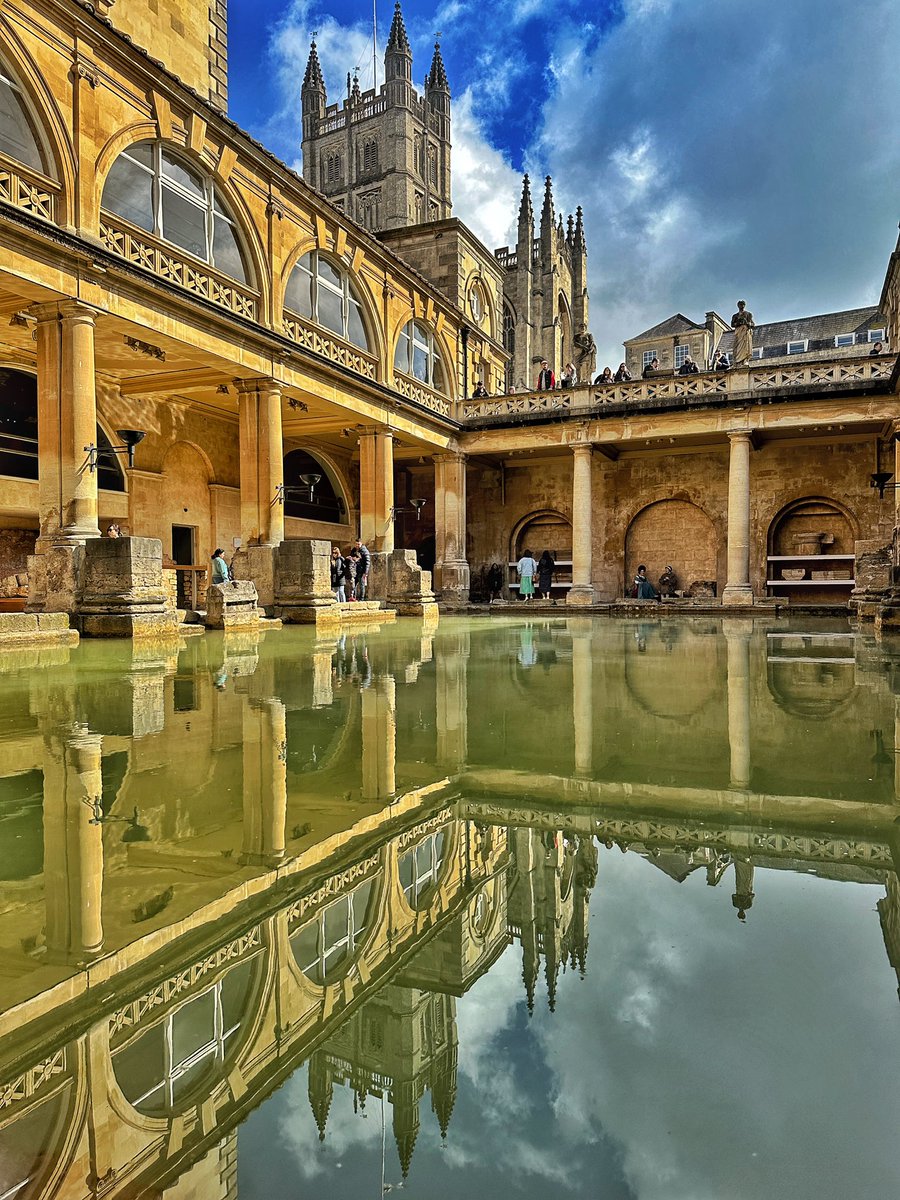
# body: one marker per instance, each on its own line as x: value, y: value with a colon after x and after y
x: 678, y: 323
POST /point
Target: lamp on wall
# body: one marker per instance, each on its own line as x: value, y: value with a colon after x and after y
x: 308, y: 492
x: 882, y: 481
x: 130, y: 438
x: 136, y: 832
x: 415, y: 506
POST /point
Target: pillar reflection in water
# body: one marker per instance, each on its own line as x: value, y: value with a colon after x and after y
x: 379, y: 738
x: 737, y: 637
x: 265, y: 782
x: 73, y: 846
x: 582, y: 694
x: 451, y: 700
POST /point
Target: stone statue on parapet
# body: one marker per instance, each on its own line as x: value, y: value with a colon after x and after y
x: 586, y: 354
x: 743, y: 325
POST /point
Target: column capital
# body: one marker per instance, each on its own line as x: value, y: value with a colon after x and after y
x: 257, y: 384
x: 56, y: 310
x: 583, y: 448
x: 741, y: 435
x: 450, y: 456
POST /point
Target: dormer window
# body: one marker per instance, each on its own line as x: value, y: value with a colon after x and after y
x: 798, y: 347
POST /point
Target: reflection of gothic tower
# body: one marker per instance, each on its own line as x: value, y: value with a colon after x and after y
x: 384, y: 159
x: 548, y: 906
x: 400, y: 1044
x: 321, y: 1089
x: 889, y: 914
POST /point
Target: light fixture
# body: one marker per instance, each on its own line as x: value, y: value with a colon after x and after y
x: 136, y: 832
x: 297, y: 405
x: 882, y: 481
x: 130, y: 438
x: 19, y: 320
x: 416, y: 506
x: 284, y: 491
x: 222, y: 389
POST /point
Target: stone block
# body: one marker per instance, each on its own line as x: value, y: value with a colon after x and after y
x: 54, y: 578
x: 122, y: 593
x: 874, y: 560
x: 303, y: 593
x: 232, y: 605
x: 702, y: 589
x: 407, y: 588
x: 258, y: 565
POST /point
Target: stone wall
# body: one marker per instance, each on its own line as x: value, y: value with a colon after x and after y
x: 15, y: 546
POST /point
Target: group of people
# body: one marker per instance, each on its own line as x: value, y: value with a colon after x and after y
x: 350, y: 572
x: 529, y: 569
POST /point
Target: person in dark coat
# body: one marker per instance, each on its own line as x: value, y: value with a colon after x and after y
x: 688, y: 367
x: 362, y: 570
x: 546, y: 380
x: 643, y: 588
x: 337, y: 574
x: 546, y: 567
x: 494, y: 582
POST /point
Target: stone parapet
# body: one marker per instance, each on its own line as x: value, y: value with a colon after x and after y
x: 232, y: 605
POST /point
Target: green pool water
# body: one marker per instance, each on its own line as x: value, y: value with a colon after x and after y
x: 501, y: 908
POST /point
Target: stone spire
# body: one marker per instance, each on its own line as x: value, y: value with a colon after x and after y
x: 437, y: 76
x: 398, y: 42
x: 321, y: 1090
x: 313, y: 80
x: 548, y: 213
x: 580, y: 242
x: 406, y: 1122
x: 570, y: 232
x: 443, y: 1088
x: 353, y: 89
x: 526, y: 212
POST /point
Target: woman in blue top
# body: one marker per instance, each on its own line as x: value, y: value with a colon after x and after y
x: 219, y: 566
x: 527, y: 568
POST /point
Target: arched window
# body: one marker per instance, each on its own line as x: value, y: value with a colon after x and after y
x: 370, y: 157
x: 324, y: 293
x: 160, y: 1068
x: 19, y: 433
x: 325, y: 505
x: 152, y: 188
x: 419, y: 868
x: 417, y: 355
x: 325, y: 944
x: 509, y: 344
x: 18, y: 138
x: 333, y: 169
x: 432, y: 166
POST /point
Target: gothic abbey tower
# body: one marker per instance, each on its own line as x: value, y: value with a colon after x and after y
x: 383, y: 158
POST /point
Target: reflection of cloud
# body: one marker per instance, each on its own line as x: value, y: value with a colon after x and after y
x: 346, y: 1130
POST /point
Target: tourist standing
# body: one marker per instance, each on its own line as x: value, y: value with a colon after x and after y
x: 527, y: 569
x: 569, y: 377
x: 545, y: 568
x: 688, y: 367
x: 220, y: 573
x: 337, y: 575
x: 362, y: 571
x: 546, y: 380
x: 651, y: 368
x: 623, y: 375
x: 605, y: 377
x: 350, y: 564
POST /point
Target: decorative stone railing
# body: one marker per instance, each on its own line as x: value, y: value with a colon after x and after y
x: 709, y: 386
x: 145, y: 251
x: 28, y: 190
x: 320, y: 341
x: 419, y: 393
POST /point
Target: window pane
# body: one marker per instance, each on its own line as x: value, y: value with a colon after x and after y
x: 298, y: 294
x: 356, y: 331
x: 331, y: 313
x: 176, y: 170
x: 128, y: 192
x: 226, y: 253
x: 141, y: 152
x: 193, y: 1027
x: 140, y: 1068
x: 360, y: 900
x: 305, y: 946
x: 329, y: 274
x: 438, y: 382
x: 183, y: 223
x: 420, y: 363
x: 401, y: 355
x: 16, y: 135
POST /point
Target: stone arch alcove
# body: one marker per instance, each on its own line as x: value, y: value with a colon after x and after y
x: 813, y: 525
x: 674, y: 532
x: 546, y: 530
x: 185, y: 501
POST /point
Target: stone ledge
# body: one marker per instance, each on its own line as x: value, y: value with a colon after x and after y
x: 36, y: 629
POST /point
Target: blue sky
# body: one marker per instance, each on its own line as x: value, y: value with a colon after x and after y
x: 718, y: 149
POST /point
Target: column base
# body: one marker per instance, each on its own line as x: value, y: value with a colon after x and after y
x: 737, y: 594
x: 453, y: 588
x: 257, y: 564
x: 581, y: 595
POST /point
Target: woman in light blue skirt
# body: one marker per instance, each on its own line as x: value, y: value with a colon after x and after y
x: 527, y: 568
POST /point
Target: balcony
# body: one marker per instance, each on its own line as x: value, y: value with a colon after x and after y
x: 666, y: 391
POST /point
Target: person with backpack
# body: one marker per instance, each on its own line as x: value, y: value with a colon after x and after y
x: 337, y: 575
x: 362, y: 571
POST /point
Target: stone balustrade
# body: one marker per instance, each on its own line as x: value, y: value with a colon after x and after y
x: 779, y: 378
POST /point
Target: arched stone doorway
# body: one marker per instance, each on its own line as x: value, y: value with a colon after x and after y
x: 802, y: 538
x: 185, y: 520
x: 547, y: 530
x: 676, y: 533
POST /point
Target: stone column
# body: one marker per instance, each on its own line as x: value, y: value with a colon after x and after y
x: 67, y: 422
x: 379, y: 739
x: 451, y: 569
x: 451, y: 702
x: 262, y: 462
x: 265, y: 782
x: 737, y: 588
x: 582, y: 591
x: 262, y: 473
x: 582, y: 695
x: 73, y: 847
x: 737, y: 638
x: 376, y: 488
